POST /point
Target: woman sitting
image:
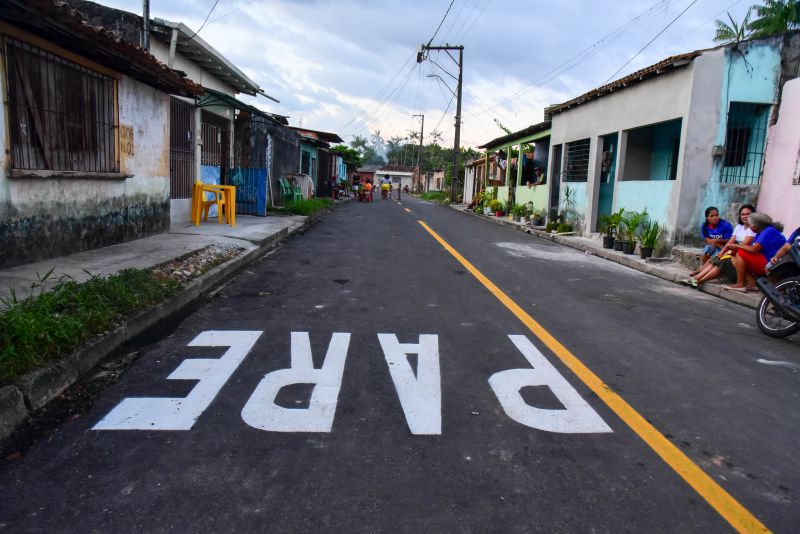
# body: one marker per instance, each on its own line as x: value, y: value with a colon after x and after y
x: 751, y: 260
x: 721, y: 263
x: 716, y: 233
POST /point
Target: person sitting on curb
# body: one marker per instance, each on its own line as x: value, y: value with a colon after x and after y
x: 716, y: 234
x: 751, y: 260
x: 721, y: 263
x: 794, y: 239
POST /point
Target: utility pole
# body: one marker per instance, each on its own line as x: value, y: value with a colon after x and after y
x: 419, y: 153
x: 146, y: 24
x: 422, y: 56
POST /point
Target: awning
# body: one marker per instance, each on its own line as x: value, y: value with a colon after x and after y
x: 212, y: 97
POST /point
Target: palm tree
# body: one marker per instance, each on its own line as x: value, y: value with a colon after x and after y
x: 359, y: 143
x: 776, y: 16
x: 733, y: 32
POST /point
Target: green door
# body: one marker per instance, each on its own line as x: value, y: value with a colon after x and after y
x: 608, y: 167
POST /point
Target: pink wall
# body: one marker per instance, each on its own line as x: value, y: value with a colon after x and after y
x: 779, y: 197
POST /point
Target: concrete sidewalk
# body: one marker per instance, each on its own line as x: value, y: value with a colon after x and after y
x: 664, y: 268
x: 250, y: 233
x: 253, y: 236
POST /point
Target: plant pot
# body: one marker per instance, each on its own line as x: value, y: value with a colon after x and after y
x: 608, y: 241
x: 523, y: 220
x: 487, y: 211
x: 538, y: 221
x: 629, y: 247
x: 618, y: 244
x: 645, y: 252
x: 498, y: 214
x: 516, y: 218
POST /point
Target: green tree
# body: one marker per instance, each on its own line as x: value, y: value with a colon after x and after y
x: 352, y: 157
x: 734, y: 32
x: 775, y: 16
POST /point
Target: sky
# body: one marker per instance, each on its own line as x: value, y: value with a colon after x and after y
x: 349, y: 66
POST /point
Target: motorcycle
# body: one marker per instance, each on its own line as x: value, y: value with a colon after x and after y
x: 778, y: 313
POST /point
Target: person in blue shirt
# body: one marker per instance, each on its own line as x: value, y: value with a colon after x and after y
x: 716, y: 233
x: 794, y: 239
x: 751, y: 260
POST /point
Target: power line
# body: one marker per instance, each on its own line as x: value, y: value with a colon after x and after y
x: 580, y: 57
x: 442, y: 22
x: 651, y: 41
x: 206, y: 20
x: 731, y: 6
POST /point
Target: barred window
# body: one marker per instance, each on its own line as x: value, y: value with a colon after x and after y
x: 577, y: 164
x: 745, y: 138
x: 62, y: 115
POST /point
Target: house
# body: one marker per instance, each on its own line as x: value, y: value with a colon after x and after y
x: 780, y: 184
x: 433, y: 180
x: 367, y: 173
x: 85, y: 134
x: 474, y: 173
x: 204, y: 144
x: 400, y: 175
x: 515, y: 182
x: 316, y: 167
x: 685, y: 133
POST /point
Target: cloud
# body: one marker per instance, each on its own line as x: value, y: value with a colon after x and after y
x: 348, y: 66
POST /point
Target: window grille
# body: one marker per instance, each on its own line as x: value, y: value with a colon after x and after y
x: 181, y: 149
x: 62, y: 115
x: 305, y: 163
x: 745, y: 138
x: 577, y: 161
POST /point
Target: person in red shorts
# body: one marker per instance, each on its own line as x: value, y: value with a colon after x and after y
x: 751, y: 260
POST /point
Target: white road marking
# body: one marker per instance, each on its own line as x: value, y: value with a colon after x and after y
x: 420, y: 395
x: 779, y: 363
x: 262, y: 412
x: 577, y: 417
x: 152, y: 413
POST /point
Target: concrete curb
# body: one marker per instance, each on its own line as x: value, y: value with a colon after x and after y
x: 40, y: 386
x: 627, y: 260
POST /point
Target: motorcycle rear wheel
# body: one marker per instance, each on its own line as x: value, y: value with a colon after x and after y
x: 769, y: 319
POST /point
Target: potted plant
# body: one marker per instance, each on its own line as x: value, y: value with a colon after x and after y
x: 610, y: 225
x: 631, y: 221
x: 519, y: 211
x: 537, y: 218
x: 496, y: 207
x: 649, y: 235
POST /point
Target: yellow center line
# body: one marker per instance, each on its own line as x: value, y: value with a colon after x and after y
x: 719, y: 499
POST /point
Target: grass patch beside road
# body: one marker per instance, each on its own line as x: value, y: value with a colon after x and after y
x: 307, y: 206
x: 435, y: 196
x: 52, y: 324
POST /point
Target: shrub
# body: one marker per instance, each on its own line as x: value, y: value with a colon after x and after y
x: 49, y: 325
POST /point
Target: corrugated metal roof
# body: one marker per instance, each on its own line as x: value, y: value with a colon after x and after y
x: 193, y: 47
x: 662, y: 67
x: 525, y: 132
x: 329, y: 137
x: 57, y: 22
x: 396, y: 168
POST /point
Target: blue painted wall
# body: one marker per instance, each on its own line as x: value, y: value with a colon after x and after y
x: 751, y: 74
x: 651, y: 195
x: 664, y: 136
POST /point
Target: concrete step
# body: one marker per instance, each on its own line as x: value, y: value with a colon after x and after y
x: 689, y: 257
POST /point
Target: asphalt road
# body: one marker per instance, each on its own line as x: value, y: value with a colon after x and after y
x: 444, y: 423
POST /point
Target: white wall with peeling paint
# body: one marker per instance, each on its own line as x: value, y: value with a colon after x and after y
x: 74, y: 213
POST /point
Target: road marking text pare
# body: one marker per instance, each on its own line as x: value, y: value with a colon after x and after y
x: 420, y: 393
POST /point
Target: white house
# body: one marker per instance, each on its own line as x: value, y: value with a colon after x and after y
x: 85, y: 134
x: 673, y: 138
